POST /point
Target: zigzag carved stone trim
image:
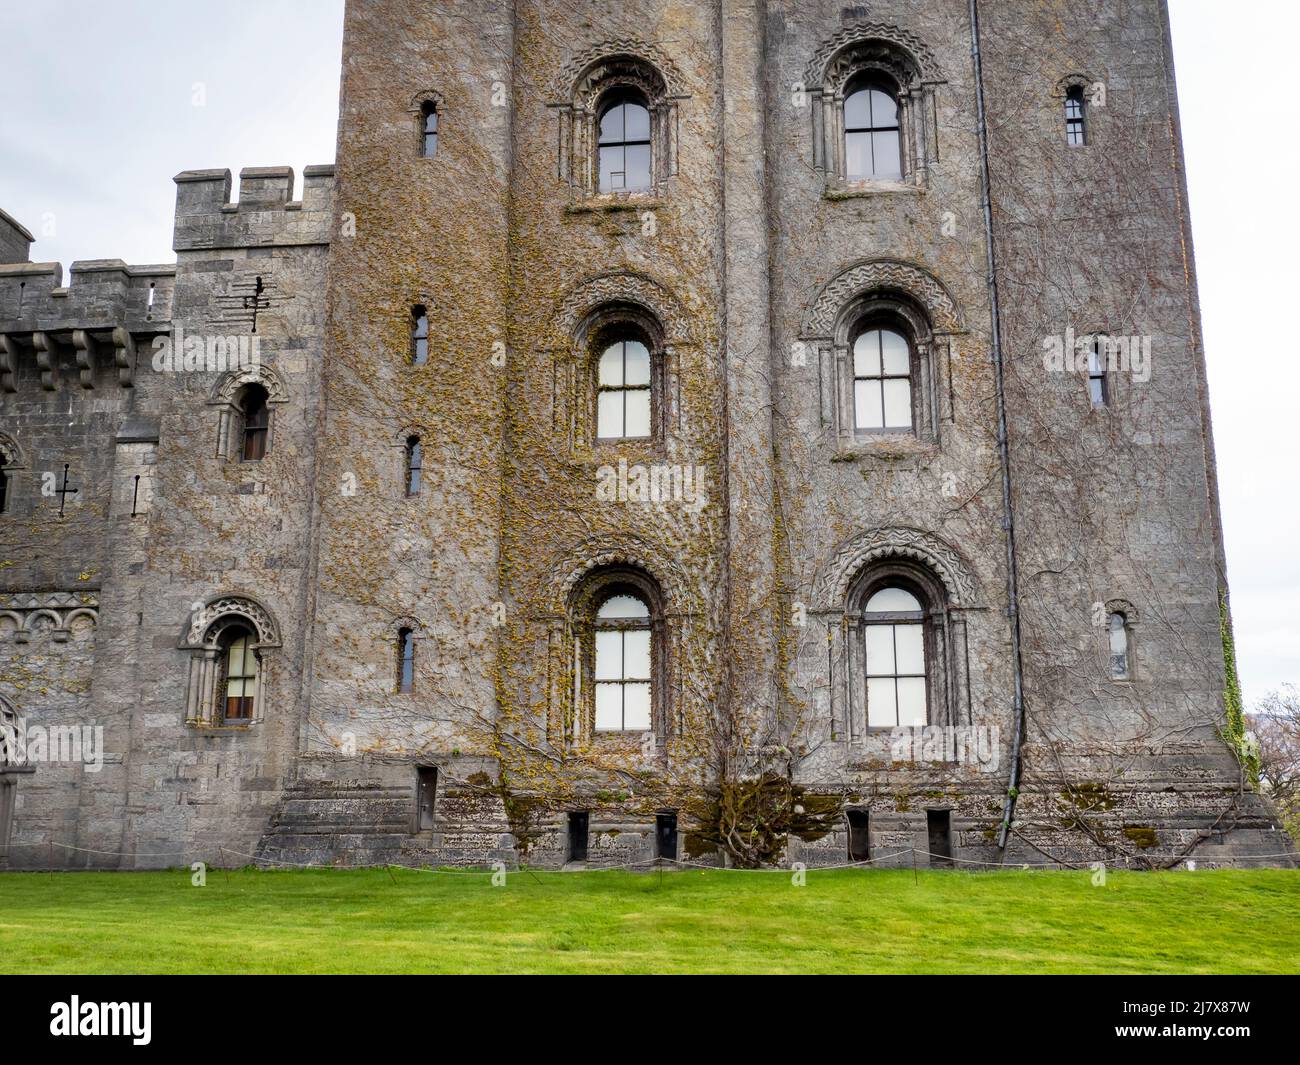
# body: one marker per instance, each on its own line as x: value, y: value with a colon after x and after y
x: 888, y: 275
x: 843, y: 567
x: 596, y: 552
x: 851, y: 36
x: 566, y: 87
x: 614, y: 288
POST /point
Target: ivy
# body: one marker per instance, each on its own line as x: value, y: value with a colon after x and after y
x: 1235, y: 731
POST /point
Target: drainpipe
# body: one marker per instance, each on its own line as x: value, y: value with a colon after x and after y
x: 1008, y: 512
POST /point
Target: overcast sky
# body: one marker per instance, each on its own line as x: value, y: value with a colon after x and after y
x: 106, y: 100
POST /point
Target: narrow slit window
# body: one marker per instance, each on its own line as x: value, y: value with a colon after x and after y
x: 1118, y: 632
x: 429, y: 131
x: 419, y: 335
x: 1098, y: 381
x: 257, y: 423
x: 405, y: 660
x: 1076, y: 125
x: 414, y: 466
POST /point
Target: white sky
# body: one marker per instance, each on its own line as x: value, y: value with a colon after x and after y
x: 99, y: 113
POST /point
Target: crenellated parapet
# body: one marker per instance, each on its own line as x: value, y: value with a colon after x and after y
x: 265, y: 216
x: 83, y: 335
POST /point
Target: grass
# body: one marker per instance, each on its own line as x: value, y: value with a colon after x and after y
x: 877, y: 921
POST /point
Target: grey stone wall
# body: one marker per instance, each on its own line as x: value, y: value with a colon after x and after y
x: 749, y: 257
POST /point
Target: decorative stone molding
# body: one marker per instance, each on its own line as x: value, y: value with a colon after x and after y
x: 11, y: 725
x: 842, y: 568
x: 620, y: 63
x: 11, y: 453
x: 55, y: 612
x: 208, y: 620
x: 617, y: 287
x: 597, y: 552
x: 225, y: 395
x: 881, y: 275
x: 896, y: 56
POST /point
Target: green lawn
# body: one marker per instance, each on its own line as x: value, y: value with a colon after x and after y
x: 366, y: 921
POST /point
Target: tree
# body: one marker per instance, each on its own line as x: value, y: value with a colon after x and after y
x: 1276, y: 724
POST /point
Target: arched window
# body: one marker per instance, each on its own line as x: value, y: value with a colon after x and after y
x: 873, y: 145
x: 256, y: 423
x: 419, y: 335
x: 1076, y: 124
x: 624, y: 145
x: 405, y: 660
x: 1118, y: 633
x: 623, y: 656
x: 429, y: 130
x: 414, y: 465
x: 237, y: 687
x: 897, y: 677
x: 1098, y: 381
x: 882, y: 381
x: 624, y: 392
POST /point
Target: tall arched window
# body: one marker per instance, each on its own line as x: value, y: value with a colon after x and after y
x: 623, y: 638
x: 882, y: 381
x: 429, y: 130
x: 256, y: 423
x: 873, y: 145
x: 624, y: 393
x: 414, y: 465
x: 1118, y: 632
x: 419, y: 335
x: 405, y: 660
x: 237, y: 687
x: 897, y: 684
x: 1076, y: 122
x: 624, y: 145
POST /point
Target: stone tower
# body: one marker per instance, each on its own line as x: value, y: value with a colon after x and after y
x: 715, y: 431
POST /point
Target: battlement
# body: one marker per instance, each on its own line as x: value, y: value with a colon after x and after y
x: 91, y: 324
x: 264, y: 215
x: 15, y: 239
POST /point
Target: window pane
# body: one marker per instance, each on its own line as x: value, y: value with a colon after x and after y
x: 911, y: 701
x: 857, y: 152
x: 881, y: 707
x: 636, y: 706
x: 898, y: 403
x: 867, y: 405
x: 893, y: 601
x: 609, y: 419
x: 857, y: 110
x: 866, y: 355
x: 611, y: 125
x: 886, y: 155
x: 636, y: 655
x: 1118, y: 635
x: 880, y: 650
x: 609, y: 707
x: 611, y: 366
x: 636, y: 364
x: 623, y: 606
x: 636, y: 123
x: 637, y: 413
x: 884, y: 111
x: 1097, y: 389
x: 637, y: 166
x: 609, y: 656
x: 611, y: 169
x: 909, y: 643
x: 897, y: 356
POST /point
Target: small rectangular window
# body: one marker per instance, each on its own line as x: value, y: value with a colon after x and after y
x: 426, y: 792
x: 1076, y: 130
x: 405, y: 661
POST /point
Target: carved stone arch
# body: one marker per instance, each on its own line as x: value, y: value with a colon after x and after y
x: 620, y: 287
x: 426, y: 96
x: 11, y: 726
x: 846, y: 564
x: 11, y: 453
x: 619, y: 65
x: 1075, y: 80
x: 228, y: 387
x: 603, y: 552
x: 206, y: 623
x: 882, y: 276
x: 1123, y: 606
x: 838, y: 56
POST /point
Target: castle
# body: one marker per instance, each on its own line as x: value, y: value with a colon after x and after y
x: 723, y: 432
